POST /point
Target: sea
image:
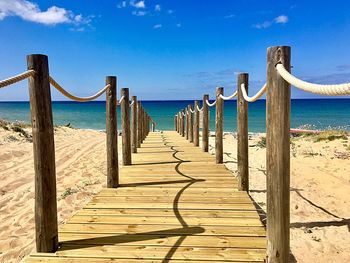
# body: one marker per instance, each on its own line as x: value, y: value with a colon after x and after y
x: 322, y: 114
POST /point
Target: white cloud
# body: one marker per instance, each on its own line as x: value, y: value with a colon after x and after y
x: 157, y: 26
x: 122, y: 4
x: 157, y: 8
x: 262, y: 25
x: 282, y: 19
x: 230, y: 16
x: 139, y: 13
x: 140, y: 4
x: 30, y: 11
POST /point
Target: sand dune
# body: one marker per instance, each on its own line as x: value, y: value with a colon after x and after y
x: 320, y: 184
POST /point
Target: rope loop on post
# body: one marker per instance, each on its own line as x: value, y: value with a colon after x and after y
x: 16, y: 78
x: 332, y: 90
x: 192, y: 111
x: 131, y: 103
x: 229, y: 97
x: 256, y: 96
x: 72, y: 97
x: 121, y: 100
x: 210, y: 104
x: 199, y: 109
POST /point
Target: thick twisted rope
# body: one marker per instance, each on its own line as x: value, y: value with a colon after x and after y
x: 256, y: 96
x: 17, y: 78
x: 229, y: 97
x: 333, y: 90
x: 192, y: 111
x: 131, y: 103
x: 210, y: 104
x: 73, y: 97
x: 121, y: 100
x: 199, y: 109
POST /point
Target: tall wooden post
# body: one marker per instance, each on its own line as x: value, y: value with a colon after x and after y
x: 180, y: 122
x: 126, y: 145
x: 196, y: 124
x: 183, y: 123
x: 153, y: 126
x: 278, y: 156
x: 139, y: 124
x: 242, y: 134
x: 187, y: 122
x: 134, y: 125
x: 44, y: 155
x: 205, y: 123
x: 190, y: 124
x: 112, y: 133
x: 175, y: 122
x: 219, y: 126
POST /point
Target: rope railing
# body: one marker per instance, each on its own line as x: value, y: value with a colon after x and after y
x: 257, y: 96
x: 16, y: 78
x: 210, y: 104
x: 192, y: 111
x: 228, y: 97
x: 132, y: 103
x: 76, y: 98
x: 199, y: 109
x: 332, y: 90
x: 121, y: 100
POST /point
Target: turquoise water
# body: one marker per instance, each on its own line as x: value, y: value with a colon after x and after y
x: 319, y: 113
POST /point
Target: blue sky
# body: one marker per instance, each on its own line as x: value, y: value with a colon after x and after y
x: 172, y: 49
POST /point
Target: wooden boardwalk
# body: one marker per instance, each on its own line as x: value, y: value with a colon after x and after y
x: 175, y: 204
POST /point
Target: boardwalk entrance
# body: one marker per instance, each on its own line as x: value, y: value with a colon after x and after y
x: 174, y: 204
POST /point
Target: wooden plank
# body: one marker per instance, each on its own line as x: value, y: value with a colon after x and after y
x: 188, y: 213
x: 162, y: 253
x: 154, y: 240
x: 163, y: 229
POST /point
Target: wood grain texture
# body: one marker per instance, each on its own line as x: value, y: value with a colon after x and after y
x: 278, y: 155
x: 112, y: 133
x: 139, y: 124
x: 190, y: 124
x: 171, y: 205
x: 126, y: 138
x: 205, y: 121
x: 219, y: 129
x: 196, y: 124
x: 134, y: 125
x: 242, y: 135
x: 44, y: 155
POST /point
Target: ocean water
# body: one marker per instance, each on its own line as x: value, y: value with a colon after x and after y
x: 314, y: 113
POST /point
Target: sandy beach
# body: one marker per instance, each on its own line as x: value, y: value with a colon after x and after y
x: 320, y: 207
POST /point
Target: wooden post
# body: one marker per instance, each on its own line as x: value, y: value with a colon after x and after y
x: 126, y: 145
x: 139, y: 124
x: 179, y: 122
x: 183, y: 123
x: 187, y: 122
x: 190, y: 124
x: 134, y: 125
x: 242, y: 134
x: 153, y: 126
x: 219, y: 126
x: 205, y: 122
x: 44, y: 155
x: 175, y: 122
x: 142, y: 124
x: 196, y: 124
x: 278, y: 156
x: 112, y: 133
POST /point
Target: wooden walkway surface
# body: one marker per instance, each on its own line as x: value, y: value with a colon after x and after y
x: 175, y: 204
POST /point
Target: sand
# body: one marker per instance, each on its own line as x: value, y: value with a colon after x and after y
x: 320, y: 186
